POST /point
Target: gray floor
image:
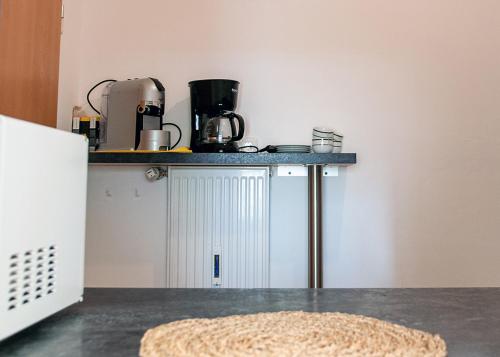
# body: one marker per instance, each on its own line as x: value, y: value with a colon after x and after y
x: 110, y: 322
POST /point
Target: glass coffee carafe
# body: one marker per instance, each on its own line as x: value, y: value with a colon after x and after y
x: 222, y: 129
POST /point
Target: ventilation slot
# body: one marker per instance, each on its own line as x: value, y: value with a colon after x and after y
x: 31, y: 276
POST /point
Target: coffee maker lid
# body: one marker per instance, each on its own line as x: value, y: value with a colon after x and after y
x: 206, y: 81
x: 213, y: 96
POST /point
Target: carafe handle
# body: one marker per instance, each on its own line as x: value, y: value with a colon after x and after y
x: 241, y: 126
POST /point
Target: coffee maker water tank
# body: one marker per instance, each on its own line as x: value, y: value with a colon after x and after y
x: 127, y: 107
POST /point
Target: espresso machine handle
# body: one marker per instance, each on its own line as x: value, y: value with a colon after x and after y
x: 241, y: 126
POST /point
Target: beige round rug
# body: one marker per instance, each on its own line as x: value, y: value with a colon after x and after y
x: 289, y: 334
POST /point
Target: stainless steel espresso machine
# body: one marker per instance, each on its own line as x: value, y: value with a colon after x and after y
x: 127, y: 108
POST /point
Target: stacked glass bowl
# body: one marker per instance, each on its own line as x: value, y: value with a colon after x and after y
x: 326, y: 140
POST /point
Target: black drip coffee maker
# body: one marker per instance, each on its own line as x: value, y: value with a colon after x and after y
x: 214, y: 125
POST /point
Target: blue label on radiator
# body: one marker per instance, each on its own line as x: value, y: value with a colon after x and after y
x: 216, y: 265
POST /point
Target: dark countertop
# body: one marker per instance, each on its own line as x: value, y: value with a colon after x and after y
x: 240, y: 159
x: 111, y: 322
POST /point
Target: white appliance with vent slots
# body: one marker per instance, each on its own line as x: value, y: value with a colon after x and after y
x: 43, y: 180
x: 218, y: 227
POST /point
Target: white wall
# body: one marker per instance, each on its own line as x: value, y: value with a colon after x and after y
x: 414, y: 86
x: 69, y: 62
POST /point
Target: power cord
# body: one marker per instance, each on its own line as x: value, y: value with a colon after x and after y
x: 248, y: 147
x: 269, y: 148
x: 180, y: 133
x: 92, y: 89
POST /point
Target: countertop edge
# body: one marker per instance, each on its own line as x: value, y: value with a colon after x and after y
x: 222, y: 159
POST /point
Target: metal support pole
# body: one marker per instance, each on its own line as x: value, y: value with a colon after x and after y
x: 315, y: 176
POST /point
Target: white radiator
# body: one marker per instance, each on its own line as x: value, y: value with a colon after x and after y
x: 218, y: 227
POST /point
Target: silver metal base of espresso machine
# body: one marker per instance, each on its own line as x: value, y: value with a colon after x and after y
x: 155, y: 140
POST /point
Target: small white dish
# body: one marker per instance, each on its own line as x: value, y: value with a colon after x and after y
x: 323, y: 130
x: 322, y: 141
x: 322, y: 149
x: 320, y: 135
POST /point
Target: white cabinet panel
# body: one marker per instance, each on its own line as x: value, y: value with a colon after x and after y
x: 218, y: 227
x: 289, y: 243
x: 126, y: 228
